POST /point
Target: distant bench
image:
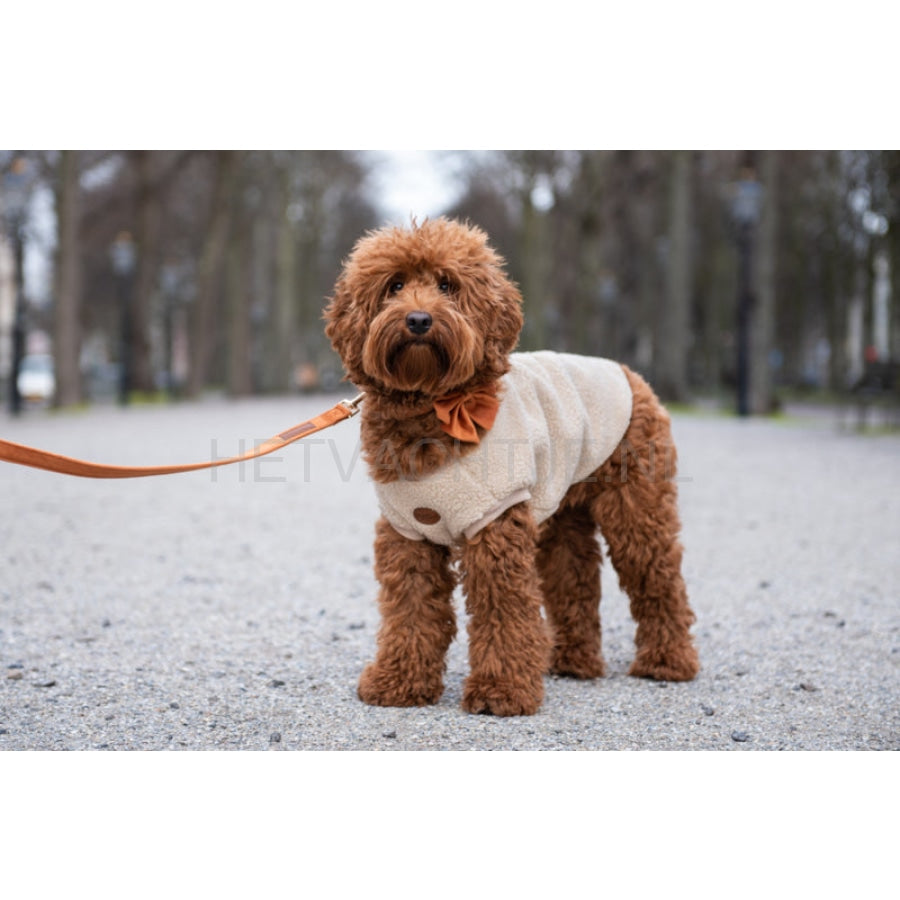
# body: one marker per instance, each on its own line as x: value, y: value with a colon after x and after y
x: 878, y: 390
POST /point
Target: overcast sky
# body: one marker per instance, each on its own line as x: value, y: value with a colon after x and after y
x: 413, y: 182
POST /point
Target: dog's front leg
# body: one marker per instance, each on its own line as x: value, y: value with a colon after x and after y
x: 417, y: 621
x: 509, y: 643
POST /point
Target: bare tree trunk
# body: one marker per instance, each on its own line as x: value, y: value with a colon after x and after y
x: 762, y: 327
x: 308, y: 299
x: 672, y: 342
x: 590, y: 324
x: 149, y: 222
x: 837, y: 287
x: 240, y: 381
x: 262, y: 261
x: 894, y: 263
x: 208, y: 277
x: 285, y: 317
x: 68, y: 277
x: 533, y: 283
x: 892, y: 167
x: 634, y: 183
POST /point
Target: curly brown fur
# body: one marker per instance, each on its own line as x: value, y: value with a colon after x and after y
x: 633, y: 500
x: 509, y: 644
x: 446, y: 272
x: 568, y: 562
x: 417, y: 621
x: 449, y: 272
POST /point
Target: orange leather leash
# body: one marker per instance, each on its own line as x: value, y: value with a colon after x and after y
x: 54, y: 462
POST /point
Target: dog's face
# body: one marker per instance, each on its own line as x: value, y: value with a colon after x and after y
x: 426, y: 309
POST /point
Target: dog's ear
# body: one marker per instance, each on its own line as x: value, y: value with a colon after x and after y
x: 347, y: 320
x: 508, y: 321
x: 485, y: 289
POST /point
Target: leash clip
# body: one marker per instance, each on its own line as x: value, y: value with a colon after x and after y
x: 353, y: 405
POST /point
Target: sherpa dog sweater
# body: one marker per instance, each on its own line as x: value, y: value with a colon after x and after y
x: 561, y: 416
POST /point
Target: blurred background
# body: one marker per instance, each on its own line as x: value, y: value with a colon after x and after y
x: 746, y: 278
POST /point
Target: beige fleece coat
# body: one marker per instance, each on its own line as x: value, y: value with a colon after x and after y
x: 561, y: 416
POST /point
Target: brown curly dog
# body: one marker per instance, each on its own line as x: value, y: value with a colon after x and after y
x: 499, y: 468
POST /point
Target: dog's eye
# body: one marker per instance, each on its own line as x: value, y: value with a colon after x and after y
x: 444, y: 285
x: 395, y: 286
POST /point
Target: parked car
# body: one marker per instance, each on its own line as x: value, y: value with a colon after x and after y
x: 37, y: 381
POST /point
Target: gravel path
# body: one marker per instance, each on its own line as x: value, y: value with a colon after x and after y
x: 235, y: 609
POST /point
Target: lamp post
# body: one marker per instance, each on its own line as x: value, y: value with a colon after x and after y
x: 123, y: 256
x: 745, y: 209
x: 15, y: 201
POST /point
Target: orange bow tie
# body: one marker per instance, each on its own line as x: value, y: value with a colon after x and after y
x: 459, y: 413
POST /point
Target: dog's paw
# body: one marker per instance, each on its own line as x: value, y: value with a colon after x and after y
x: 500, y: 697
x: 380, y: 688
x: 666, y: 664
x: 576, y: 663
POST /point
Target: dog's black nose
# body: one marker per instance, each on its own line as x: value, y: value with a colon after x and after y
x: 418, y: 322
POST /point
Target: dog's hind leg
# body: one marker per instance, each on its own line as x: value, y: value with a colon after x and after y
x: 636, y: 507
x: 417, y: 623
x: 509, y: 643
x: 568, y: 561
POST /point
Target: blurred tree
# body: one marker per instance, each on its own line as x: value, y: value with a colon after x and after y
x: 153, y: 174
x: 580, y: 228
x: 891, y: 162
x: 672, y: 336
x: 762, y: 329
x: 626, y: 254
x: 239, y: 299
x: 284, y: 315
x: 204, y: 333
x: 608, y: 265
x: 67, y: 287
x: 532, y: 175
x: 715, y: 273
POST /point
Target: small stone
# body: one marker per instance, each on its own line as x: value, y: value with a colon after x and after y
x: 105, y: 623
x: 4, y: 731
x: 174, y: 705
x: 15, y: 676
x: 806, y: 686
x: 707, y: 710
x: 45, y: 684
x: 662, y: 684
x: 763, y: 585
x: 275, y: 737
x: 275, y: 682
x: 15, y: 666
x: 740, y: 736
x: 389, y: 734
x: 356, y: 626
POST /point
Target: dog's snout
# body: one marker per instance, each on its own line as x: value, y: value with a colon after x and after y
x: 418, y: 322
